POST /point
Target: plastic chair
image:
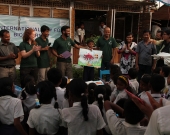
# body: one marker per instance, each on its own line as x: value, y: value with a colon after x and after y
x: 104, y: 72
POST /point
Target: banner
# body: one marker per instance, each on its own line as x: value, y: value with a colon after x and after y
x: 10, y: 23
x: 90, y: 58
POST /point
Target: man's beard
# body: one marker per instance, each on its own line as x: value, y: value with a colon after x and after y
x: 66, y: 35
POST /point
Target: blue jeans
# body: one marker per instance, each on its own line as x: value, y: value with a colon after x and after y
x: 105, y: 66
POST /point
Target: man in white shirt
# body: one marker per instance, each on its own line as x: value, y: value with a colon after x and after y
x: 81, y: 34
x: 133, y: 116
x: 102, y: 27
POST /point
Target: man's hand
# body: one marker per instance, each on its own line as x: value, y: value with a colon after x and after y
x: 11, y: 56
x: 46, y: 48
x: 60, y: 56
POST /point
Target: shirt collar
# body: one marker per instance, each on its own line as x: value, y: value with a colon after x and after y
x: 130, y: 125
x: 5, y: 97
x: 43, y: 39
x: 1, y: 43
x: 132, y: 80
x: 76, y: 104
x: 156, y: 95
x: 47, y: 106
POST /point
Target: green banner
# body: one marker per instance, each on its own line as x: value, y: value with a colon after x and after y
x: 10, y: 23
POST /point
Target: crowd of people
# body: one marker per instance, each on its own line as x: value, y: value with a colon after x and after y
x: 134, y: 101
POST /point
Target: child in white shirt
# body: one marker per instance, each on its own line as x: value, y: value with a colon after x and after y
x: 122, y: 84
x: 55, y: 76
x: 157, y: 83
x: 11, y: 111
x: 100, y: 94
x: 44, y: 119
x: 81, y: 119
x: 133, y: 83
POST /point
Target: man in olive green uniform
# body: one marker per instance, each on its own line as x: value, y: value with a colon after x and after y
x: 43, y: 61
x: 107, y: 44
x: 62, y: 44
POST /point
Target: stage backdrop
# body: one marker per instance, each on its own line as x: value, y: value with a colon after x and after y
x: 11, y: 23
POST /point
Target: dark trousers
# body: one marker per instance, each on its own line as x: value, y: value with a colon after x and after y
x: 28, y: 71
x: 105, y: 66
x: 8, y: 130
x: 88, y: 73
x: 143, y: 69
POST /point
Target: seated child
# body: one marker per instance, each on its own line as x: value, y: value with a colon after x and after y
x: 63, y: 83
x: 157, y: 83
x: 133, y: 83
x: 88, y: 72
x: 144, y: 85
x: 122, y: 85
x: 165, y: 72
x: 100, y: 93
x: 156, y: 70
x: 131, y: 124
x: 115, y: 91
x: 55, y: 76
x: 11, y: 111
x: 114, y: 69
x: 91, y: 97
x: 81, y: 118
x: 108, y: 92
x: 44, y: 119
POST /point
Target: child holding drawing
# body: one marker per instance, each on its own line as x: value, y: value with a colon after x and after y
x: 88, y: 72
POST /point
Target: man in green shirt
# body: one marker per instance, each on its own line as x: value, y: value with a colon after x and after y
x: 107, y: 44
x: 43, y: 61
x: 62, y: 44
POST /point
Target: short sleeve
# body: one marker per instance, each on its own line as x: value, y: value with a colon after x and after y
x: 100, y: 121
x: 115, y: 124
x: 152, y: 128
x: 114, y: 43
x: 22, y: 47
x: 55, y: 45
x: 18, y: 110
x: 72, y: 42
x: 30, y: 122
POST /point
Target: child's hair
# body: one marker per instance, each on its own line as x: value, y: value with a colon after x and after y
x: 64, y: 82
x: 91, y: 97
x: 166, y: 70
x: 146, y: 78
x: 132, y: 73
x: 121, y: 104
x: 132, y: 113
x: 46, y: 91
x: 30, y: 88
x: 99, y: 93
x: 54, y: 75
x: 88, y: 41
x: 78, y: 88
x: 27, y: 79
x: 66, y: 95
x: 114, y: 69
x: 157, y: 82
x: 6, y: 85
x: 156, y: 70
x: 125, y: 80
x: 115, y: 77
x: 108, y: 92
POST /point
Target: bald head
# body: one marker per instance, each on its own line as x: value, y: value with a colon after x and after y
x: 107, y: 32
